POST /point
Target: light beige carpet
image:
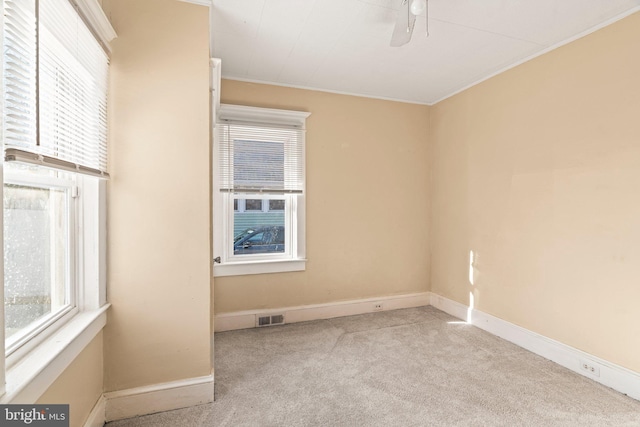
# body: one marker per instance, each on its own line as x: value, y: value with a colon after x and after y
x: 413, y: 367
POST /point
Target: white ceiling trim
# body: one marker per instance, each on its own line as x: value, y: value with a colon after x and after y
x: 544, y: 51
x: 337, y: 92
x: 425, y: 84
x: 502, y: 70
x: 200, y: 2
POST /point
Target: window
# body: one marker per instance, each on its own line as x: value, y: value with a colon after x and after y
x: 259, y: 190
x: 54, y: 132
x: 253, y: 204
x: 276, y: 205
x: 39, y: 251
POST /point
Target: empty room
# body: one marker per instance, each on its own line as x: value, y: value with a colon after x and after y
x: 320, y: 213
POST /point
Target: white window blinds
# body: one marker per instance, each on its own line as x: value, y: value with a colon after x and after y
x: 62, y: 123
x: 19, y: 73
x: 260, y: 150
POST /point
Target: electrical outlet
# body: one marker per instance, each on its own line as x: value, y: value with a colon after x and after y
x: 377, y: 306
x: 590, y: 368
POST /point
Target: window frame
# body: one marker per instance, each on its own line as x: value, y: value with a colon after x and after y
x: 31, y: 368
x: 49, y: 324
x: 27, y: 373
x: 291, y: 227
x: 294, y: 258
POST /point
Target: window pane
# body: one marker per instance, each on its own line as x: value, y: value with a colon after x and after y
x: 276, y: 205
x: 36, y: 255
x: 258, y: 232
x: 253, y: 205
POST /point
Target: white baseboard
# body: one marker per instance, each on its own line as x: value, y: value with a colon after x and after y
x: 97, y: 415
x: 617, y: 377
x: 158, y: 398
x: 451, y: 307
x: 184, y: 393
x: 247, y: 319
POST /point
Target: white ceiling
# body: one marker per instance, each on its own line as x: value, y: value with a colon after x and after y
x: 343, y: 45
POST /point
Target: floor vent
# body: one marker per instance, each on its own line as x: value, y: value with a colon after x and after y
x: 270, y: 320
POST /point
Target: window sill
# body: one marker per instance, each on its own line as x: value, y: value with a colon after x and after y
x: 30, y: 377
x: 258, y: 267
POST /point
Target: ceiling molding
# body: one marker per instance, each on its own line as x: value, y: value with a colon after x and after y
x: 208, y: 3
x: 286, y: 44
x: 316, y: 89
x: 457, y: 91
x: 544, y: 51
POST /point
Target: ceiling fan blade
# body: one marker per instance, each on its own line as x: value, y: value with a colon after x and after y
x: 404, y: 25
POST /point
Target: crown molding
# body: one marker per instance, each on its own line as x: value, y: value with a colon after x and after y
x: 200, y: 2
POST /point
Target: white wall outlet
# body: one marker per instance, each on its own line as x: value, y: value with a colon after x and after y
x: 377, y: 306
x: 590, y: 367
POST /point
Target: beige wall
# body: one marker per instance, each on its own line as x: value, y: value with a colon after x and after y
x: 80, y: 385
x: 537, y: 171
x: 159, y: 229
x: 367, y: 201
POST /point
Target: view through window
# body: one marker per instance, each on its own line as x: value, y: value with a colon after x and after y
x: 54, y: 130
x: 260, y: 186
x: 37, y: 252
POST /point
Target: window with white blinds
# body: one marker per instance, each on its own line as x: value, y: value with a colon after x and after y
x: 259, y: 190
x: 55, y: 87
x: 260, y: 157
x: 53, y: 126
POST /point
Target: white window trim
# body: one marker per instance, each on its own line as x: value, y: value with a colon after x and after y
x: 97, y: 21
x: 293, y: 242
x: 34, y: 367
x: 259, y: 267
x: 49, y: 324
x: 233, y: 266
x: 26, y: 377
x: 27, y: 380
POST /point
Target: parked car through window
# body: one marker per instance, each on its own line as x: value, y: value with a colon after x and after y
x: 259, y: 240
